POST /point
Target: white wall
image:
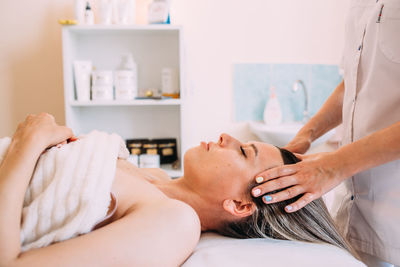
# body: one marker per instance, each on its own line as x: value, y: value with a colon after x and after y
x: 219, y: 33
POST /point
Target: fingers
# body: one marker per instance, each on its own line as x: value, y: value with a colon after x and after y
x: 286, y: 194
x: 273, y: 185
x: 301, y: 202
x: 276, y: 172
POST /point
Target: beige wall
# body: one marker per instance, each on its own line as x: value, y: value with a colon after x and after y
x: 30, y: 60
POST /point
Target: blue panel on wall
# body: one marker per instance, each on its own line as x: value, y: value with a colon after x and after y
x: 251, y: 83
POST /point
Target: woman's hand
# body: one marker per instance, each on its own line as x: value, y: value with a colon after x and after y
x: 42, y: 132
x: 314, y: 176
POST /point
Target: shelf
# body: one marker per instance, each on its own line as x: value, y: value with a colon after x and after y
x: 139, y: 102
x: 115, y: 28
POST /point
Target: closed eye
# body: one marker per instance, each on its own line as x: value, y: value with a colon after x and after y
x: 243, y: 152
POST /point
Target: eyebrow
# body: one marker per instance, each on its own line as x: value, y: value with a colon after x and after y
x: 255, y: 149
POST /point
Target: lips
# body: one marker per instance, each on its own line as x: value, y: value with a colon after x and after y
x: 205, y: 145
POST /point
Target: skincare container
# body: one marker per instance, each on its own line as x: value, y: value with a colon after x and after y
x: 89, y: 16
x: 150, y: 147
x: 102, y: 85
x: 105, y: 11
x: 125, y: 86
x: 149, y: 161
x: 159, y: 11
x: 80, y: 11
x: 167, y: 150
x: 134, y: 159
x: 272, y: 111
x: 124, y: 12
x: 82, y: 70
x: 126, y: 82
x: 170, y: 82
x: 135, y: 146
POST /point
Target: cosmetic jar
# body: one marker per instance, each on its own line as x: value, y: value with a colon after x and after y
x: 135, y: 146
x: 102, y: 85
x: 150, y: 147
x: 134, y: 159
x: 170, y: 82
x: 167, y: 150
x: 149, y: 161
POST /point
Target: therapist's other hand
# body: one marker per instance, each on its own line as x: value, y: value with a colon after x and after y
x: 313, y: 176
x: 300, y: 144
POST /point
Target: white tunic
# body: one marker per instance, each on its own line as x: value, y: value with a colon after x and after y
x: 371, y: 63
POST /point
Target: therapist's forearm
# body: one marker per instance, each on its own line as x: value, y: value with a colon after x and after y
x: 327, y: 118
x: 373, y: 150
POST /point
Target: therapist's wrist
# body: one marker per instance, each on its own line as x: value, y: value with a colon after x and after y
x: 345, y: 162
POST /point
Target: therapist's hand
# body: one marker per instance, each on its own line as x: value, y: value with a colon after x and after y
x: 314, y: 176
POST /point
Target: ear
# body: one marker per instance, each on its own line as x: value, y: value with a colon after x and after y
x: 239, y: 208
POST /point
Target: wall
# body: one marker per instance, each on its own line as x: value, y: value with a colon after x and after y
x: 252, y: 85
x: 218, y: 33
x: 30, y: 60
x: 221, y: 33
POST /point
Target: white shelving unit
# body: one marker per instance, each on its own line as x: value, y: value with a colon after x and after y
x: 153, y: 48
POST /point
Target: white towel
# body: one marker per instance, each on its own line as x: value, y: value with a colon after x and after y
x: 70, y: 188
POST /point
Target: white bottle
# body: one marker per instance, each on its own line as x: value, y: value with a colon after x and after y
x: 126, y: 80
x: 89, y: 16
x: 272, y: 111
x: 80, y: 11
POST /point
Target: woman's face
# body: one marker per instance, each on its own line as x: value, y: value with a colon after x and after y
x: 225, y: 169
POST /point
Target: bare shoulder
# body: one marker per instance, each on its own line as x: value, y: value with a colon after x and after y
x: 172, y: 227
x: 183, y: 212
x: 179, y: 218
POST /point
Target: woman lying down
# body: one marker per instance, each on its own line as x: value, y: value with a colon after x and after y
x: 150, y: 220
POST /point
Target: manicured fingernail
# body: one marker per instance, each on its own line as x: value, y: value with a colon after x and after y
x: 267, y: 198
x: 259, y: 179
x: 289, y: 208
x: 256, y: 192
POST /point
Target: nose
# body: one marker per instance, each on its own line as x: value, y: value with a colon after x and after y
x: 225, y: 140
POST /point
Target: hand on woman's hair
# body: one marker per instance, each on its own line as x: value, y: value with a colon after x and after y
x: 312, y: 177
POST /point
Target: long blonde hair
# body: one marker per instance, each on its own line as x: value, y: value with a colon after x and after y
x: 312, y: 223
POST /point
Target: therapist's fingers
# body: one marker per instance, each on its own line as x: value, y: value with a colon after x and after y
x: 276, y: 172
x: 301, y: 202
x: 273, y: 185
x: 286, y: 194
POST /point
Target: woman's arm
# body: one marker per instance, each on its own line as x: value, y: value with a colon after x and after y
x: 32, y: 137
x: 153, y: 234
x: 328, y: 117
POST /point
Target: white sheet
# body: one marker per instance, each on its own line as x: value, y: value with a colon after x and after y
x: 216, y: 250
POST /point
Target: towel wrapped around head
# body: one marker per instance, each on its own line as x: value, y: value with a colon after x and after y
x: 69, y: 192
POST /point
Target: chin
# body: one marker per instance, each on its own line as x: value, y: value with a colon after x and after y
x: 191, y: 160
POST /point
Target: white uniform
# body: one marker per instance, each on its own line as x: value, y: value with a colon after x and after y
x: 371, y: 63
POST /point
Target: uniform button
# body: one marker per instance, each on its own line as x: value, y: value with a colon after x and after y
x: 352, y: 197
x: 359, y: 48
